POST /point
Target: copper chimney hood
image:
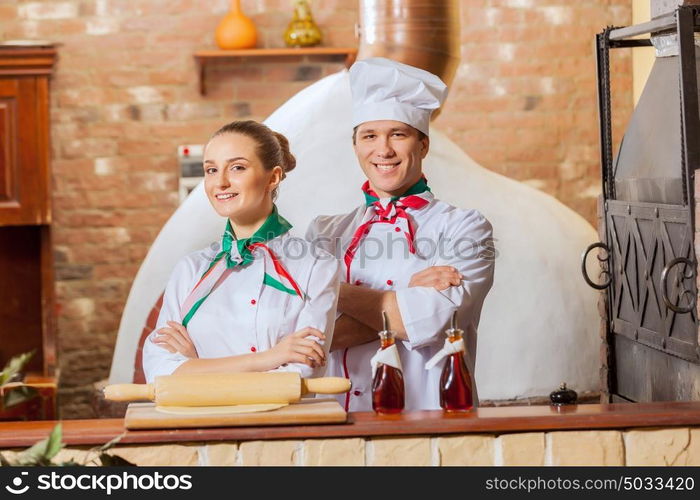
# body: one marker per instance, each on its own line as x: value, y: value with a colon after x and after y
x: 422, y: 33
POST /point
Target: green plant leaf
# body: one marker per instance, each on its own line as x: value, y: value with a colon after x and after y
x: 43, y: 451
x: 17, y: 395
x: 14, y: 366
x: 111, y: 443
x: 54, y: 444
x: 107, y: 460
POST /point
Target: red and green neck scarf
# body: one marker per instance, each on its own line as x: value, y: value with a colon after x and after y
x: 225, y: 261
x: 393, y: 212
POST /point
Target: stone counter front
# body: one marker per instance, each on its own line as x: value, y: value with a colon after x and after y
x: 615, y: 434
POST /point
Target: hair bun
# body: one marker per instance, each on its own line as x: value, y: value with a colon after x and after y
x: 272, y: 147
x: 289, y: 162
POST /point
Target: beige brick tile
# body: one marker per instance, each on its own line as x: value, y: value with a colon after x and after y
x: 587, y: 448
x: 222, y: 453
x: 334, y: 451
x: 523, y: 449
x: 400, y: 451
x: 466, y: 450
x: 675, y: 446
x: 169, y: 454
x: 269, y: 452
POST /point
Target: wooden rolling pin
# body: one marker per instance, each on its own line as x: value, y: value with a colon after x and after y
x: 223, y: 389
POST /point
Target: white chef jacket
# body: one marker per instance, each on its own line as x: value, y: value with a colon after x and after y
x: 242, y: 315
x: 444, y: 236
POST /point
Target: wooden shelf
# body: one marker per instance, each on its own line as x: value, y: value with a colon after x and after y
x: 368, y: 424
x: 203, y: 57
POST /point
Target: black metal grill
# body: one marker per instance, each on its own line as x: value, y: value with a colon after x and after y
x: 644, y: 239
x: 648, y: 224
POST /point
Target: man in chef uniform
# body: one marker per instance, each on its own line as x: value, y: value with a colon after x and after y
x: 403, y: 251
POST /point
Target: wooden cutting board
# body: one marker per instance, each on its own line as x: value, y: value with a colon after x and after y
x: 310, y: 411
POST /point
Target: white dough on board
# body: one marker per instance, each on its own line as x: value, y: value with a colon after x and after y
x: 219, y: 410
x: 540, y: 323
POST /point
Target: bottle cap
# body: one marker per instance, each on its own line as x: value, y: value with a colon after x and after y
x: 453, y: 330
x: 386, y: 333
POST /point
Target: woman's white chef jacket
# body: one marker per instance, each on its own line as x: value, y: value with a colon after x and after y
x: 444, y: 236
x: 242, y: 315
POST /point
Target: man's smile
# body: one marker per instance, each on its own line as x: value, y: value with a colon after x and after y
x: 386, y: 166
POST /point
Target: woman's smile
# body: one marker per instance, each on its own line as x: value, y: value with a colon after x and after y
x: 226, y: 196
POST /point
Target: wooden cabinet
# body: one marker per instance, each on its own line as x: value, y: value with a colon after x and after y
x: 26, y: 256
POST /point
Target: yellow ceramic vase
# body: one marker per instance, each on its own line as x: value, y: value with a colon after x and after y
x: 302, y: 31
x: 236, y: 31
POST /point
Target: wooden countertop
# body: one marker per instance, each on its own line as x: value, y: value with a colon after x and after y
x: 483, y: 420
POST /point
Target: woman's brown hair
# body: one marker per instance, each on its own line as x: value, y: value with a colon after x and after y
x: 272, y: 147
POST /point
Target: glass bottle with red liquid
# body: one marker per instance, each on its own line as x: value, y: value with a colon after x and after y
x: 455, y: 381
x: 387, y: 385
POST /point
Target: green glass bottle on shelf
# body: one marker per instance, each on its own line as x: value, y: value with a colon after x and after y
x: 302, y: 30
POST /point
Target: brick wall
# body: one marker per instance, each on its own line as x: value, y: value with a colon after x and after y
x: 125, y: 95
x: 524, y: 99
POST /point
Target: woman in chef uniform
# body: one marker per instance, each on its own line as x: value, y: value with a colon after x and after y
x: 259, y: 299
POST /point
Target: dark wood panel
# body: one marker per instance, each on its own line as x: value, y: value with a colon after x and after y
x: 43, y: 150
x: 31, y: 168
x: 483, y: 420
x: 7, y: 157
x: 48, y: 301
x: 8, y: 141
x: 31, y: 61
x: 30, y: 197
x: 21, y: 327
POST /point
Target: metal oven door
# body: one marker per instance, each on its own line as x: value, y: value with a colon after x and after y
x: 648, y: 219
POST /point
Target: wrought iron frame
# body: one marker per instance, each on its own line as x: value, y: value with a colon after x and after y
x: 646, y: 259
x: 622, y: 238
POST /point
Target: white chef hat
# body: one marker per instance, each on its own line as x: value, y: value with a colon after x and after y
x: 383, y: 89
